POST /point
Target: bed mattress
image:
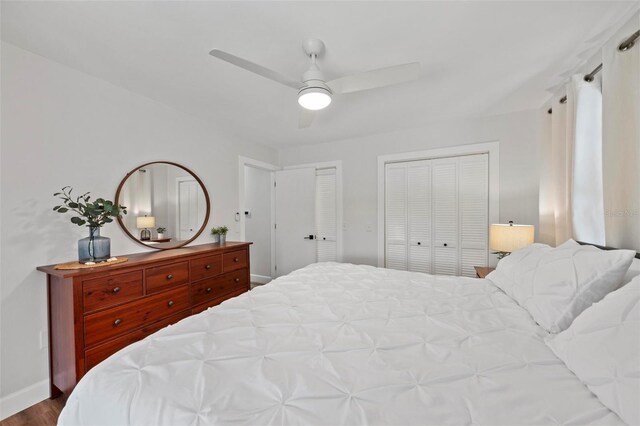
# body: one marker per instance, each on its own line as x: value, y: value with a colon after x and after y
x: 343, y: 344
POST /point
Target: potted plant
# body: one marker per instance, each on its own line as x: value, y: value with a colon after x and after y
x: 161, y: 230
x: 94, y: 215
x: 219, y: 234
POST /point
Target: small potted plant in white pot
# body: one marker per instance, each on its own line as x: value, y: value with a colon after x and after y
x: 161, y: 230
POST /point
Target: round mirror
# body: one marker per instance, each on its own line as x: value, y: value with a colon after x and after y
x: 167, y: 205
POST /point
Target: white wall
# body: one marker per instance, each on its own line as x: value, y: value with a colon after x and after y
x: 62, y: 127
x: 519, y: 135
x: 257, y: 200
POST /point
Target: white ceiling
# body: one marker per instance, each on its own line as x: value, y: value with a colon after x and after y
x: 478, y: 57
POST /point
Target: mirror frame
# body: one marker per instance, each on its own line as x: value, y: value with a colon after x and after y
x: 204, y: 190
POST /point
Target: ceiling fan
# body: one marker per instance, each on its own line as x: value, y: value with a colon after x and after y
x: 314, y: 92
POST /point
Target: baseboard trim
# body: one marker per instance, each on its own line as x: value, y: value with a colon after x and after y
x: 24, y: 398
x: 260, y: 279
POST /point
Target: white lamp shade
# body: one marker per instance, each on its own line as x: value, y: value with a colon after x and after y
x: 143, y: 222
x: 314, y: 98
x: 509, y: 237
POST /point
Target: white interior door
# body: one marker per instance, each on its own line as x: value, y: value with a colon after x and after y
x: 445, y: 216
x: 295, y: 219
x: 191, y: 208
x: 326, y: 216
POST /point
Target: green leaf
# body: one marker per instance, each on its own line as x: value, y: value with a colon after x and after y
x: 73, y: 205
x: 63, y: 210
x: 56, y: 208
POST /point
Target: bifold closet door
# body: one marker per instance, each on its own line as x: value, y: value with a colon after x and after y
x: 419, y: 216
x: 473, y: 199
x: 445, y: 216
x: 395, y: 205
x: 326, y: 215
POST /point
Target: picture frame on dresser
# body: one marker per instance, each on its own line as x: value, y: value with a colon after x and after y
x: 95, y: 312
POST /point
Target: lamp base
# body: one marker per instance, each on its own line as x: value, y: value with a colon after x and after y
x: 145, y: 235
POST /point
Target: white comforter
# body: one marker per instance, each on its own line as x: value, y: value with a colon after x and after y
x: 343, y: 344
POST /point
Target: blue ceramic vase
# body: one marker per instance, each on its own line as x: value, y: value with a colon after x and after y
x: 94, y: 248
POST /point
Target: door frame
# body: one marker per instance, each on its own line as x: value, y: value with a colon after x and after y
x: 337, y: 164
x: 240, y: 217
x: 491, y: 148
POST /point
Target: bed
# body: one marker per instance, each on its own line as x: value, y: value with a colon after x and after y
x: 343, y: 344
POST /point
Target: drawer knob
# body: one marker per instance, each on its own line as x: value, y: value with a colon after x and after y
x: 116, y: 290
x: 235, y: 259
x: 208, y: 290
x: 117, y: 322
x: 419, y: 243
x: 237, y: 280
x: 170, y: 303
x: 445, y: 244
x: 207, y: 267
x: 169, y: 276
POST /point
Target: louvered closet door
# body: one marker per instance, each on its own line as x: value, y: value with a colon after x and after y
x: 326, y: 215
x: 419, y: 216
x: 445, y: 216
x: 473, y: 197
x: 396, y: 216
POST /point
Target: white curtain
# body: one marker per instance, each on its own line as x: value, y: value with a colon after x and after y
x: 571, y: 188
x: 560, y: 174
x: 621, y: 148
x: 584, y: 135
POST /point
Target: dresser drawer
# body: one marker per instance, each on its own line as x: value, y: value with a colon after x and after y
x: 205, y: 267
x: 101, y: 352
x: 116, y: 321
x: 166, y: 276
x: 215, y: 287
x: 234, y: 260
x: 111, y: 290
x: 216, y: 301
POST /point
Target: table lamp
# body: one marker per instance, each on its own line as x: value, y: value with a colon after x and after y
x: 145, y: 222
x: 506, y: 238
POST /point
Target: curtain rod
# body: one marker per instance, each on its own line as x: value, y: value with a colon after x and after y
x: 627, y: 44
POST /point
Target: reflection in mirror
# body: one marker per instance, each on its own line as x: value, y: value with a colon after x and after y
x: 168, y: 205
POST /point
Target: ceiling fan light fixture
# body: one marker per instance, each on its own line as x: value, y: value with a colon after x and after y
x: 314, y: 98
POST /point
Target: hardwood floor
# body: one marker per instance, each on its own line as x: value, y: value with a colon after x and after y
x: 44, y: 413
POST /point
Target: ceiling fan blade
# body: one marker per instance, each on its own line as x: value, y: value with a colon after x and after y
x: 255, y: 68
x: 305, y: 118
x: 376, y: 78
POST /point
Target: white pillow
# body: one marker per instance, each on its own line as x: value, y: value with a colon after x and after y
x: 602, y: 348
x: 556, y: 284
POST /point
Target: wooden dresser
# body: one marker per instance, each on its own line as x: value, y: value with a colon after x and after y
x: 93, y: 313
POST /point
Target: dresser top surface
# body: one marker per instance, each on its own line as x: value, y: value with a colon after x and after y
x: 138, y: 259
